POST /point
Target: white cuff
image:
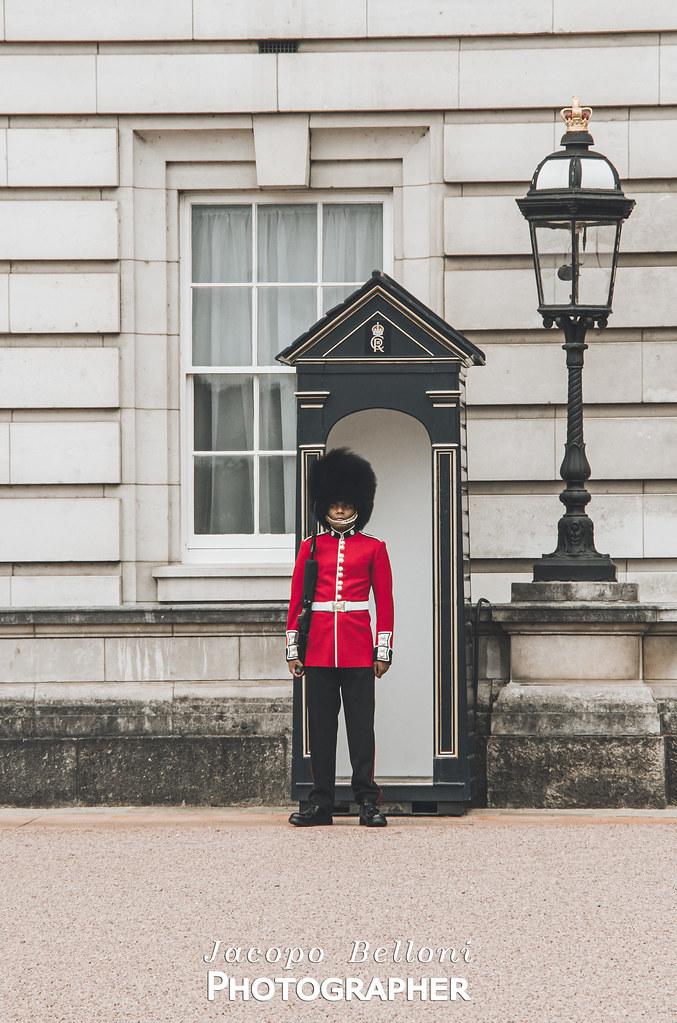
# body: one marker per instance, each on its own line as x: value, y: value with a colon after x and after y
x: 384, y: 650
x: 292, y: 644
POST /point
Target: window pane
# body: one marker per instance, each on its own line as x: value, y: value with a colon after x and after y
x: 333, y: 296
x: 224, y: 494
x: 253, y: 491
x: 278, y: 411
x: 284, y: 313
x: 277, y: 485
x: 353, y: 241
x: 222, y: 243
x: 222, y: 326
x: 223, y: 412
x: 287, y: 243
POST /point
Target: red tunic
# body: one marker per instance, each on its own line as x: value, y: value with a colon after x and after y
x: 349, y: 565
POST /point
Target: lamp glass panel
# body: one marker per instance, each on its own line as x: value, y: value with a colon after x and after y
x: 596, y: 174
x: 595, y: 245
x: 554, y: 174
x: 554, y: 261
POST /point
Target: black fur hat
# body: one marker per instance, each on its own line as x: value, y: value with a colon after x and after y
x: 341, y: 475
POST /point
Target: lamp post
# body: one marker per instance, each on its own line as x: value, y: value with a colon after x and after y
x: 575, y: 208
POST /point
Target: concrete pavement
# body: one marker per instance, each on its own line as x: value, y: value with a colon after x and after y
x: 107, y: 915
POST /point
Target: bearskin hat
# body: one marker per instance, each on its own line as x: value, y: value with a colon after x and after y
x: 341, y: 475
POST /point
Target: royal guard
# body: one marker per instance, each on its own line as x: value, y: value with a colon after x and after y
x: 341, y: 658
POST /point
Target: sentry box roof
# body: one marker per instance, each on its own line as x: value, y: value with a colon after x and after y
x: 381, y: 322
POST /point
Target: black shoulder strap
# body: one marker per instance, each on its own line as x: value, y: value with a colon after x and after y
x: 310, y: 570
x: 313, y: 542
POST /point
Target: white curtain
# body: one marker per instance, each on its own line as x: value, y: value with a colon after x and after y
x: 353, y: 241
x: 283, y: 314
x: 223, y: 420
x: 224, y: 494
x: 222, y: 326
x: 287, y: 243
x: 222, y: 254
x: 222, y: 244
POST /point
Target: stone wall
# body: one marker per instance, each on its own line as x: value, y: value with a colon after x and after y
x: 144, y: 707
x: 177, y: 704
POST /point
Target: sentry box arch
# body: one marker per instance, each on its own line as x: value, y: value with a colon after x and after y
x: 384, y: 374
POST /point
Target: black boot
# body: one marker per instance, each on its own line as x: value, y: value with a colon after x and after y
x: 312, y: 816
x: 372, y: 816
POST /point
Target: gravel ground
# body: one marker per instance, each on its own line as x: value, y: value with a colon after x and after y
x: 106, y: 914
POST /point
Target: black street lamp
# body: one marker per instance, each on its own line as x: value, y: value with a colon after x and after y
x: 575, y: 208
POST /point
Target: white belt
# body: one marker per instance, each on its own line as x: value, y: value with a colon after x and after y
x: 340, y: 605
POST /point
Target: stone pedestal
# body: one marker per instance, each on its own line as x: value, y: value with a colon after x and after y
x: 576, y: 725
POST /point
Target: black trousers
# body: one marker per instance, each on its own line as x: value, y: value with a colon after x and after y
x: 324, y: 688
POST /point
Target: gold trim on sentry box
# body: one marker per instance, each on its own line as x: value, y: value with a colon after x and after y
x: 441, y: 450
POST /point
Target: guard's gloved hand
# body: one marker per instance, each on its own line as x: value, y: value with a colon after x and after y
x: 380, y: 668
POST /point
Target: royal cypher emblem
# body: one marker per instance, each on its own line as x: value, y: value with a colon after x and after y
x: 377, y: 337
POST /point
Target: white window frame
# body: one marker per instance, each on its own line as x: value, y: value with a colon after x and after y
x: 213, y: 549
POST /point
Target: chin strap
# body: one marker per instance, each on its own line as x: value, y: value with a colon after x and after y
x: 337, y: 523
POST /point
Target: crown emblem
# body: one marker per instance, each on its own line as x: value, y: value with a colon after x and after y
x: 576, y: 117
x: 376, y: 341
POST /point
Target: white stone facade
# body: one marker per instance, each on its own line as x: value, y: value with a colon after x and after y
x: 111, y: 113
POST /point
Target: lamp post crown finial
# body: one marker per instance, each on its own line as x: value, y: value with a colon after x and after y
x: 576, y: 117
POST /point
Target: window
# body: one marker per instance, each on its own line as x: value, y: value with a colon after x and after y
x: 260, y: 274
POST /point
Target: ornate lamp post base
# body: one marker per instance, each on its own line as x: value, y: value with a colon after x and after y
x: 588, y: 567
x: 575, y: 558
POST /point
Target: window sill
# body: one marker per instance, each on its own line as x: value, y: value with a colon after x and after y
x: 246, y: 581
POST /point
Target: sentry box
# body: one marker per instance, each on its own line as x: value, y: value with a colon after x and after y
x: 384, y: 375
